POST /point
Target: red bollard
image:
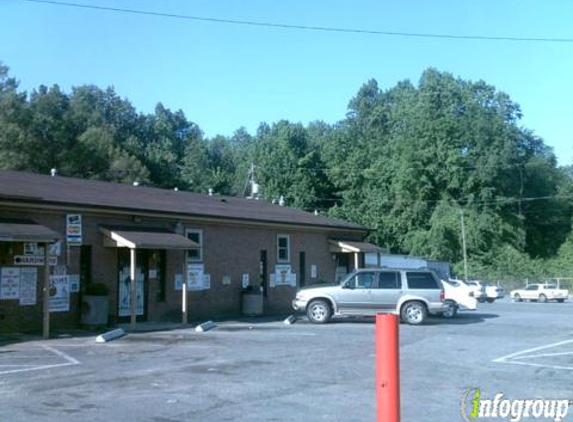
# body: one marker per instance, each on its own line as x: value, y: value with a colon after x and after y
x: 387, y: 368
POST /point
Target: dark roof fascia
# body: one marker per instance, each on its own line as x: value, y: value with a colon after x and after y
x: 137, y: 211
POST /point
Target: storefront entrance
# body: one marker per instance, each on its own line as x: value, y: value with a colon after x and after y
x: 123, y: 288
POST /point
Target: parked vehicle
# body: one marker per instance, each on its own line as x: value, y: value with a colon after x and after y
x: 412, y: 294
x: 486, y: 292
x: 458, y: 296
x: 494, y: 292
x: 540, y: 293
x: 476, y: 288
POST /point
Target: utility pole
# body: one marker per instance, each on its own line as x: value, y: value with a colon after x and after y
x: 250, y: 182
x: 464, y: 247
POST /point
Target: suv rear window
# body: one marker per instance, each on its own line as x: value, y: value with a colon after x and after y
x: 421, y: 280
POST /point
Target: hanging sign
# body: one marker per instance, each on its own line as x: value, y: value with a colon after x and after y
x: 34, y: 260
x: 74, y: 229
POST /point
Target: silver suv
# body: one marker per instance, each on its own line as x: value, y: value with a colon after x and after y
x: 412, y: 294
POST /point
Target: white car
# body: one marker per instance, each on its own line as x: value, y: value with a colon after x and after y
x: 540, y: 293
x: 458, y: 296
x: 494, y: 292
x: 486, y: 292
x: 477, y: 289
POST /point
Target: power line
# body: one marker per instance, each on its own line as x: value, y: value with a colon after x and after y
x: 305, y: 27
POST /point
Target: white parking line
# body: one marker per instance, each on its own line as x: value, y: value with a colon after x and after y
x: 544, y: 355
x: 518, y: 358
x: 27, y: 368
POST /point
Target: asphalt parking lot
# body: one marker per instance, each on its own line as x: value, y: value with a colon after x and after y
x: 253, y: 370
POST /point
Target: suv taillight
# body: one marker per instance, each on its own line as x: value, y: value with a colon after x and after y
x: 442, y: 296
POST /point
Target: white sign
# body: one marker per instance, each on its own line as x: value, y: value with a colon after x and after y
x: 59, y: 293
x: 55, y: 249
x: 195, y: 279
x: 31, y: 249
x: 178, y: 282
x: 33, y: 260
x: 226, y: 280
x: 74, y: 283
x: 245, y: 281
x: 28, y: 286
x: 313, y: 271
x: 10, y: 283
x: 74, y: 229
x: 282, y: 274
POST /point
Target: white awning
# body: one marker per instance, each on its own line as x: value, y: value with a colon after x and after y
x: 140, y: 238
x: 338, y: 246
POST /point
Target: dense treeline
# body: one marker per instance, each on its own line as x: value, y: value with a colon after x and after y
x: 406, y: 162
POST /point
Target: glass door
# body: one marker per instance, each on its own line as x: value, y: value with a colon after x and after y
x: 124, y: 283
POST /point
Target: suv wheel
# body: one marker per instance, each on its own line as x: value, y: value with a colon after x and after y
x: 414, y: 313
x: 450, y: 309
x: 516, y: 297
x: 319, y: 312
x: 542, y: 298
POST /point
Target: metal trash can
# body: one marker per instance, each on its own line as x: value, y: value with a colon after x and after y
x: 252, y: 303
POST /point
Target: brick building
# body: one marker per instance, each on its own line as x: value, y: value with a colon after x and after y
x: 151, y: 240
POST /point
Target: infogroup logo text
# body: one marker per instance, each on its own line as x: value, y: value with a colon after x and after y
x: 475, y: 407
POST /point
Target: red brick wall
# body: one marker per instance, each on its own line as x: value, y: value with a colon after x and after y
x: 228, y: 251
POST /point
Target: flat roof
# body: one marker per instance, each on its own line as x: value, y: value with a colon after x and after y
x: 65, y: 191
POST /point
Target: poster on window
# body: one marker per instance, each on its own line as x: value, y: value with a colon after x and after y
x: 74, y: 229
x: 34, y: 249
x: 195, y: 277
x: 124, y: 306
x: 10, y: 283
x: 59, y: 293
x: 74, y: 283
x: 282, y: 274
x: 28, y: 286
x: 31, y: 249
x: 178, y: 282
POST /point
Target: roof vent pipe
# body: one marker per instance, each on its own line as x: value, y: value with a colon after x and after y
x: 282, y: 201
x: 136, y: 183
x: 211, y: 191
x: 54, y: 172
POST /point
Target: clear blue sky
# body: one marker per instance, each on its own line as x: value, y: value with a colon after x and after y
x: 224, y: 76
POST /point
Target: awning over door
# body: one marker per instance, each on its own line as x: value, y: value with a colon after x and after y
x: 143, y: 238
x: 26, y: 231
x: 338, y: 246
